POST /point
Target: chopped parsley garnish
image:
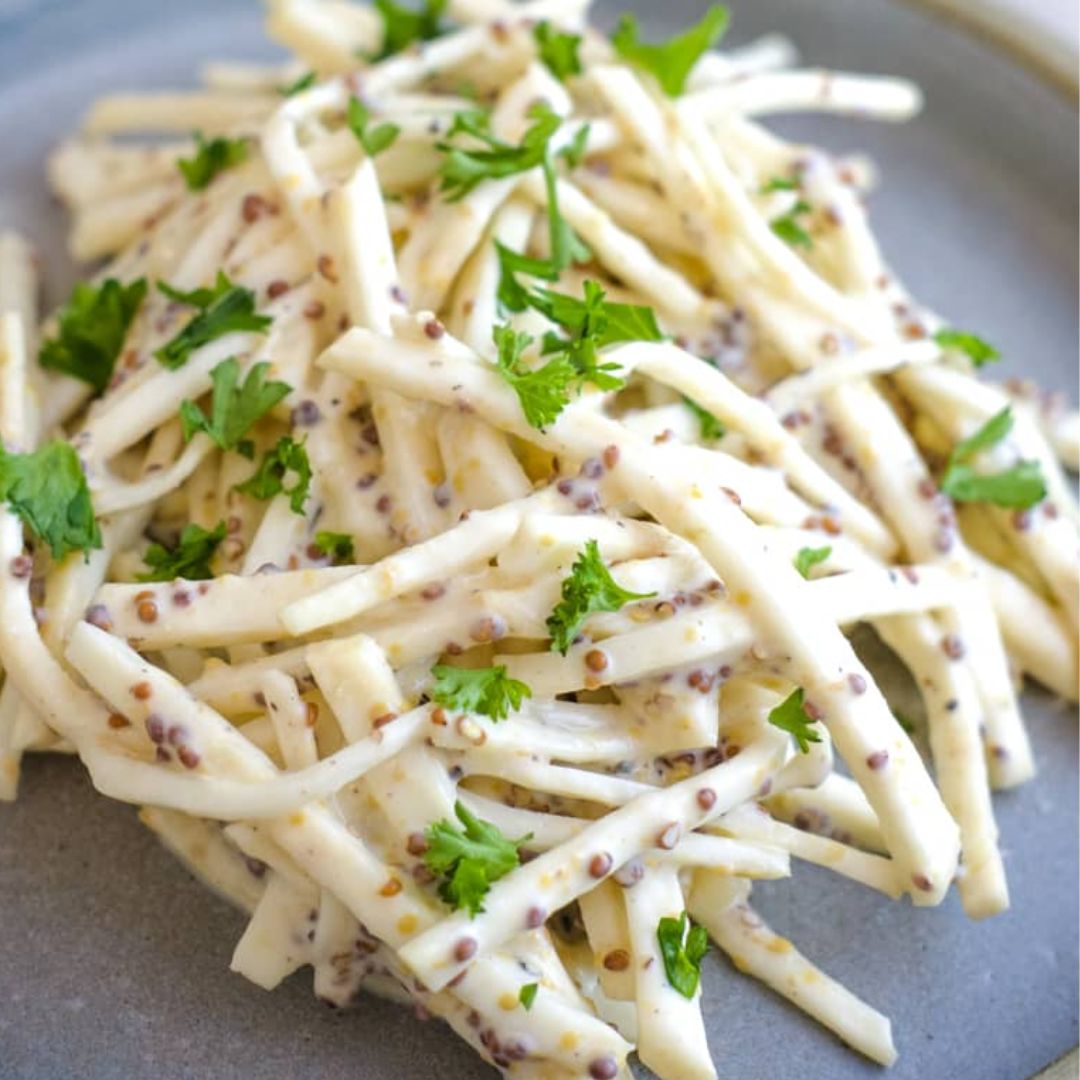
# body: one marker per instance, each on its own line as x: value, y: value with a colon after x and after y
x: 233, y: 408
x: 1016, y: 488
x: 590, y: 588
x: 543, y: 392
x: 47, y: 490
x: 224, y: 309
x: 466, y: 166
x: 190, y: 559
x: 779, y: 183
x: 402, y: 26
x: 212, y: 156
x: 337, y: 546
x: 487, y: 691
x: 791, y: 716
x: 809, y: 557
x: 682, y: 947
x: 708, y: 425
x: 288, y: 458
x: 977, y: 350
x: 527, y: 995
x: 375, y: 139
x: 470, y: 860
x: 787, y: 226
x: 305, y: 82
x: 91, y: 330
x: 588, y: 325
x: 671, y: 62
x: 558, y: 50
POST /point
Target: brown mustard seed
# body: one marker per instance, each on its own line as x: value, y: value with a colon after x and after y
x: 596, y: 660
x: 438, y: 716
x: 391, y: 888
x: 325, y: 266
x: 617, y: 960
x: 611, y: 456
x: 161, y: 754
x: 416, y: 844
x: 600, y: 865
x: 857, y: 683
x: 98, y: 615
x: 147, y: 611
x: 603, y: 1068
x: 669, y: 836
x: 878, y: 759
x: 706, y: 798
x: 141, y: 691
x: 188, y: 758
x: 815, y: 712
x: 22, y: 566
x: 434, y: 329
x: 535, y: 917
x: 952, y: 647
x: 155, y: 728
x: 382, y: 721
x: 276, y: 289
x: 314, y: 309
x: 465, y: 949
x: 921, y: 881
x: 116, y: 721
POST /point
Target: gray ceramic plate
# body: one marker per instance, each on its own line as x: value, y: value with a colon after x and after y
x: 114, y: 963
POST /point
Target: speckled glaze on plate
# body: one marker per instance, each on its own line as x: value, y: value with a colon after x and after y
x: 114, y: 963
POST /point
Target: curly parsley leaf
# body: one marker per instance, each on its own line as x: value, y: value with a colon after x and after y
x: 710, y: 427
x: 305, y: 82
x: 285, y: 459
x: 190, y: 559
x: 543, y: 392
x: 487, y: 691
x: 47, y: 490
x: 788, y: 228
x: 527, y: 995
x: 682, y: 951
x: 977, y: 350
x: 558, y: 50
x: 791, y: 716
x: 1017, y: 488
x: 470, y: 860
x: 590, y: 588
x: 212, y: 156
x: 375, y: 139
x: 224, y: 309
x: 671, y: 62
x: 402, y: 26
x: 91, y: 330
x: 233, y: 408
x: 336, y: 546
x: 808, y: 557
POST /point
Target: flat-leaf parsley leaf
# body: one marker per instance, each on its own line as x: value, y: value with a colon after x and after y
x: 791, y: 716
x: 224, y: 309
x: 91, y: 328
x: 590, y: 588
x: 682, y: 951
x: 212, y: 156
x: 47, y: 490
x: 671, y: 62
x: 190, y: 559
x: 286, y: 458
x: 487, y: 691
x: 470, y: 860
x: 233, y: 408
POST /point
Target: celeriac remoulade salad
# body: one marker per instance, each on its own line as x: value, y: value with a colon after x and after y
x: 443, y: 509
